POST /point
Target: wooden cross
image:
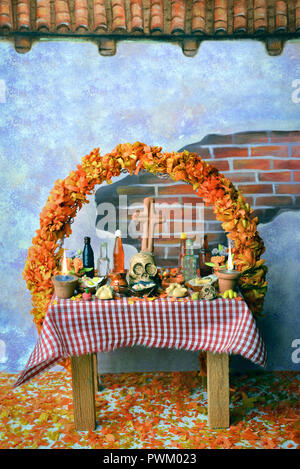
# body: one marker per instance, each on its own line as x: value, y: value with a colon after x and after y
x: 149, y: 218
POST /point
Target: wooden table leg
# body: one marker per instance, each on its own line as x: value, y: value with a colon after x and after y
x: 95, y: 365
x: 218, y: 389
x: 83, y: 392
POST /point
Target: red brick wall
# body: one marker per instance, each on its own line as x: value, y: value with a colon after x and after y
x: 264, y: 165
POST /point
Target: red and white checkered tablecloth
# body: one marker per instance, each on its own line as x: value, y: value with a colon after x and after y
x: 80, y: 327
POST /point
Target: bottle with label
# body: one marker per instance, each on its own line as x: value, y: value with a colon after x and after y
x: 189, y: 262
x: 118, y: 254
x: 103, y: 261
x: 204, y: 256
x: 88, y: 257
x: 182, y: 252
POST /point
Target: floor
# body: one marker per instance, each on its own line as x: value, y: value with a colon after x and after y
x: 152, y: 410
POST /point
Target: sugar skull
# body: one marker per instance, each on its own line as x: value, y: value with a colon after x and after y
x: 142, y: 268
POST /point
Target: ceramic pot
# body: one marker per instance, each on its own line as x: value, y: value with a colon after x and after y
x: 64, y: 285
x: 227, y: 279
x: 118, y: 281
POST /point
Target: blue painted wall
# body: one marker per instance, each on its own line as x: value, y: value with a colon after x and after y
x: 63, y: 99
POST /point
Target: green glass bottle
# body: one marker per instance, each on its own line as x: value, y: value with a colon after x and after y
x: 189, y: 262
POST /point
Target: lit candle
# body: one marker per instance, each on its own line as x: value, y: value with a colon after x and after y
x: 64, y: 269
x: 64, y: 283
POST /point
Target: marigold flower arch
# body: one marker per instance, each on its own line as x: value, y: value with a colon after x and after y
x: 68, y: 196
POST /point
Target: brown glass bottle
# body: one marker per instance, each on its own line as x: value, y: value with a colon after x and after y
x: 182, y: 252
x: 204, y: 256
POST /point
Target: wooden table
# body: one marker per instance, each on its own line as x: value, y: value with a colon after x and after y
x: 80, y: 329
x: 85, y: 385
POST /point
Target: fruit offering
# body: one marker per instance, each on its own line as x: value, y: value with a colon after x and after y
x: 86, y: 295
x: 230, y: 294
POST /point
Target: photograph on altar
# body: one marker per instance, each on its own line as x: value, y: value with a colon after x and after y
x: 150, y: 225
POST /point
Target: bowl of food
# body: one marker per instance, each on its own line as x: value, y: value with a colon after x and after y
x: 90, y: 284
x: 142, y: 288
x: 197, y: 283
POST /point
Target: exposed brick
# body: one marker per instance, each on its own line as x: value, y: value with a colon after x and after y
x: 209, y: 214
x: 221, y: 165
x: 192, y: 200
x: 272, y: 200
x: 282, y: 136
x: 168, y: 200
x: 296, y: 151
x: 252, y: 164
x: 240, y: 176
x: 256, y: 188
x: 197, y: 148
x: 250, y: 137
x: 176, y: 189
x: 282, y: 176
x: 268, y: 150
x: 149, y: 178
x: 249, y: 200
x: 296, y: 176
x: 286, y: 164
x: 136, y: 190
x: 217, y: 139
x: 287, y: 189
x: 166, y: 241
x: 230, y: 152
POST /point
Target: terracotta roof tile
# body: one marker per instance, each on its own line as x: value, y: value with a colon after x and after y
x: 43, y: 15
x: 198, y: 16
x: 220, y: 16
x: 118, y: 16
x: 62, y: 15
x: 240, y: 16
x: 81, y: 15
x: 23, y: 14
x: 178, y: 16
x: 281, y: 16
x: 99, y: 15
x: 157, y: 16
x: 297, y: 15
x: 260, y: 15
x: 186, y: 22
x: 6, y: 22
x: 136, y: 11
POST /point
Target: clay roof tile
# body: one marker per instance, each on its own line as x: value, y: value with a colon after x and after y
x: 186, y: 22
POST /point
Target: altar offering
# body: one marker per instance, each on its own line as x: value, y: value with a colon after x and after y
x: 64, y: 283
x: 189, y: 262
x: 176, y: 290
x: 104, y: 293
x: 88, y: 257
x: 118, y: 254
x: 228, y: 276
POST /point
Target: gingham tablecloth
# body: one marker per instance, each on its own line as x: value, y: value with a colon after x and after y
x: 80, y: 327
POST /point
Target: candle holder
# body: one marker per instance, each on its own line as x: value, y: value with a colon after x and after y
x: 64, y: 285
x: 227, y: 279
